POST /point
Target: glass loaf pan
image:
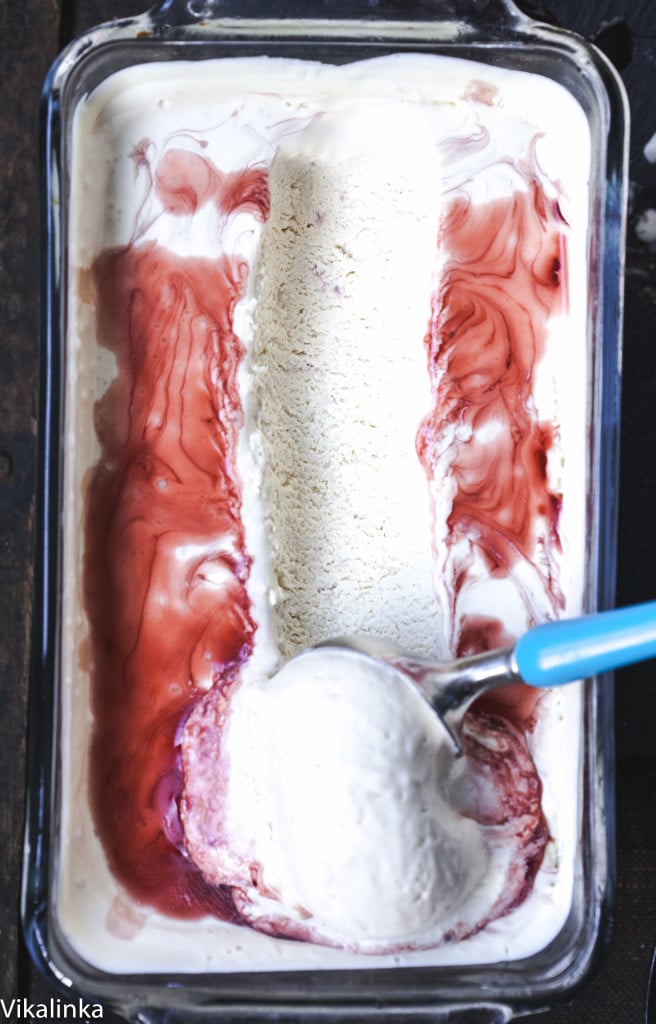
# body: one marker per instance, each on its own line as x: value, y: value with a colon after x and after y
x: 493, y: 33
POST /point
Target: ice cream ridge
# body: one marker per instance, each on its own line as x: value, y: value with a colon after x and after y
x: 345, y: 315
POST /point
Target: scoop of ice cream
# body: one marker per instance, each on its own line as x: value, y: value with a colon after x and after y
x: 330, y: 818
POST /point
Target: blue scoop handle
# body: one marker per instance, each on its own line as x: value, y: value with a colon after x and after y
x: 561, y: 652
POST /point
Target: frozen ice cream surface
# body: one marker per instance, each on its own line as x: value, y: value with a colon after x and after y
x: 319, y: 319
x: 326, y: 765
x: 339, y: 303
x: 339, y: 818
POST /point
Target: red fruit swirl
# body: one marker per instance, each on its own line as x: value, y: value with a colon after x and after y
x: 165, y: 562
x: 166, y: 566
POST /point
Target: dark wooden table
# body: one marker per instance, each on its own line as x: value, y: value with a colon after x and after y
x: 31, y: 34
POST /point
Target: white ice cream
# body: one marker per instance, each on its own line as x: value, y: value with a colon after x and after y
x: 341, y: 374
x: 375, y: 293
x: 334, y: 761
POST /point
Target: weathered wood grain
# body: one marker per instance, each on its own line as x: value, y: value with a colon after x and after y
x: 28, y: 42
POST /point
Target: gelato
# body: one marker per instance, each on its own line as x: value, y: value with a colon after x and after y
x: 322, y: 323
x: 332, y: 809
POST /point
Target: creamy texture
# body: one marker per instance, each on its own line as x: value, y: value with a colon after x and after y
x: 339, y: 381
x: 327, y: 763
x: 192, y: 500
x: 335, y: 813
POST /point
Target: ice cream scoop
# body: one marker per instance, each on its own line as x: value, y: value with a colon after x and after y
x: 331, y: 806
x: 547, y: 655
